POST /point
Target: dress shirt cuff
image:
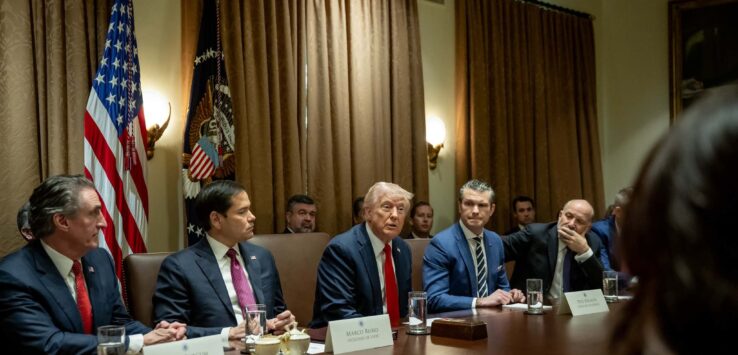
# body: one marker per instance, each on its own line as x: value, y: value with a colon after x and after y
x: 584, y: 256
x: 226, y: 333
x: 474, y: 303
x: 135, y: 343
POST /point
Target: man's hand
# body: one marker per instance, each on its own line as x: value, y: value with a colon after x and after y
x: 179, y: 328
x: 573, y: 240
x: 277, y: 325
x: 517, y: 296
x: 497, y: 298
x: 160, y: 335
x: 238, y: 332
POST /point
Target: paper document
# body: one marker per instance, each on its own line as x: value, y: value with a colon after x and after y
x: 316, y: 348
x: 521, y: 306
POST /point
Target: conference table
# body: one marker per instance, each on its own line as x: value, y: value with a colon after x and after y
x: 510, y: 332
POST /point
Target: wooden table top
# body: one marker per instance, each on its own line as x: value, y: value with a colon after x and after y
x: 512, y: 332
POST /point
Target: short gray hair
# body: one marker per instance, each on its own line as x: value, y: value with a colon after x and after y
x: 57, y: 194
x: 478, y: 186
x: 385, y: 189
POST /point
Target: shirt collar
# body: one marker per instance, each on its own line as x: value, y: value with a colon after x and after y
x: 467, y: 233
x: 220, y: 249
x: 377, y: 244
x: 62, y: 262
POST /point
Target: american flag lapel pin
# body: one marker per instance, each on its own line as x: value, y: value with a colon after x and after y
x: 91, y: 269
x: 253, y: 257
x: 398, y: 250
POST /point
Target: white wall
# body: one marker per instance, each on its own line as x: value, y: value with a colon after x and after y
x: 437, y: 46
x: 158, y: 32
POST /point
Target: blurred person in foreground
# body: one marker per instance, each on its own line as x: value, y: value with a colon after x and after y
x: 679, y: 237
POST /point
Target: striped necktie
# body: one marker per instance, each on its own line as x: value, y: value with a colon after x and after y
x: 482, y: 290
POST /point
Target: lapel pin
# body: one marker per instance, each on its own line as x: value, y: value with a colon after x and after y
x: 91, y: 269
x: 253, y: 257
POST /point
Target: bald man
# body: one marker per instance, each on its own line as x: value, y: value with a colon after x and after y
x: 564, y: 254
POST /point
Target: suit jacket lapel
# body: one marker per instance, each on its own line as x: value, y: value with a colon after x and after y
x: 209, y: 266
x: 553, y: 249
x: 463, y: 245
x: 57, y: 287
x: 253, y: 268
x: 370, y: 262
x: 94, y: 292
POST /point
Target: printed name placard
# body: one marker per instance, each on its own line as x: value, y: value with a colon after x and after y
x: 583, y: 302
x: 210, y: 345
x: 358, y: 334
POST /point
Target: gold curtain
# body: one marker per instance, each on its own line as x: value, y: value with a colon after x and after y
x: 365, y: 107
x: 49, y: 52
x: 260, y: 47
x: 525, y: 106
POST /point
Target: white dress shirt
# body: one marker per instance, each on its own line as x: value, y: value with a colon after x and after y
x: 64, y: 266
x: 224, y: 264
x: 473, y: 250
x: 378, y: 248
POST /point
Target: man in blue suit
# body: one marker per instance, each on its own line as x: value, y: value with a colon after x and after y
x: 463, y: 266
x: 58, y: 289
x: 366, y: 270
x: 210, y: 285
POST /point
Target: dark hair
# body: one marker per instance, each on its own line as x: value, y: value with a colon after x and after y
x: 295, y: 199
x: 679, y: 235
x: 57, y: 194
x: 419, y: 204
x: 22, y: 218
x: 357, y: 206
x: 478, y: 186
x: 218, y: 197
x: 522, y: 198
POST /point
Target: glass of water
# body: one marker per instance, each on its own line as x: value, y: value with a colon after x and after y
x: 610, y: 285
x: 255, y: 324
x: 416, y: 313
x: 534, y: 294
x: 111, y: 340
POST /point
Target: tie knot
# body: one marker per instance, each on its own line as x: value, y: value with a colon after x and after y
x: 76, y: 267
x: 478, y: 239
x: 387, y: 249
x: 231, y: 253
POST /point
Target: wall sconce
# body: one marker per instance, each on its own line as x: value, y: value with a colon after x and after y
x: 435, y: 135
x: 155, y: 105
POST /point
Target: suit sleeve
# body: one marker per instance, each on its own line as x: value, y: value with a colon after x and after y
x: 592, y: 267
x: 516, y: 244
x: 26, y: 322
x: 502, y: 281
x: 336, y: 284
x: 171, y: 299
x: 604, y: 257
x: 436, y: 281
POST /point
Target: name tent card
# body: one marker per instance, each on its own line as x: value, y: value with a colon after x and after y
x: 209, y: 345
x: 358, y: 334
x: 583, y: 302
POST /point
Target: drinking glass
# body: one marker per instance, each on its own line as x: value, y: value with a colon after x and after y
x: 534, y: 294
x: 111, y: 340
x: 610, y: 286
x: 417, y: 313
x: 255, y: 324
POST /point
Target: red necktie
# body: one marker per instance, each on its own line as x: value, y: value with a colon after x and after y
x: 390, y: 287
x: 83, y: 299
x: 244, y: 292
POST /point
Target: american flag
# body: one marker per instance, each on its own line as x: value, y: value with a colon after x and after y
x: 115, y: 136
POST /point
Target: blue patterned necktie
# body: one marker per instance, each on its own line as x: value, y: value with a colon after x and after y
x: 482, y: 290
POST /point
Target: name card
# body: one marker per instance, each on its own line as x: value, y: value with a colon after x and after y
x: 583, y: 302
x: 209, y: 345
x: 358, y: 334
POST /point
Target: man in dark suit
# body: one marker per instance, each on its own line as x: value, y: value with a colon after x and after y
x: 300, y: 214
x: 210, y: 285
x: 463, y: 266
x: 523, y: 213
x: 58, y: 289
x: 366, y: 270
x: 563, y: 254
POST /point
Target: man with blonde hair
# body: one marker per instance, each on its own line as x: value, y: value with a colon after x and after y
x: 366, y: 270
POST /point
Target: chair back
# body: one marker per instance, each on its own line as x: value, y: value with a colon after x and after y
x: 297, y: 257
x: 417, y: 247
x: 141, y: 272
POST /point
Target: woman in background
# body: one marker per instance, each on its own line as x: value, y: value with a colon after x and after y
x: 680, y: 236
